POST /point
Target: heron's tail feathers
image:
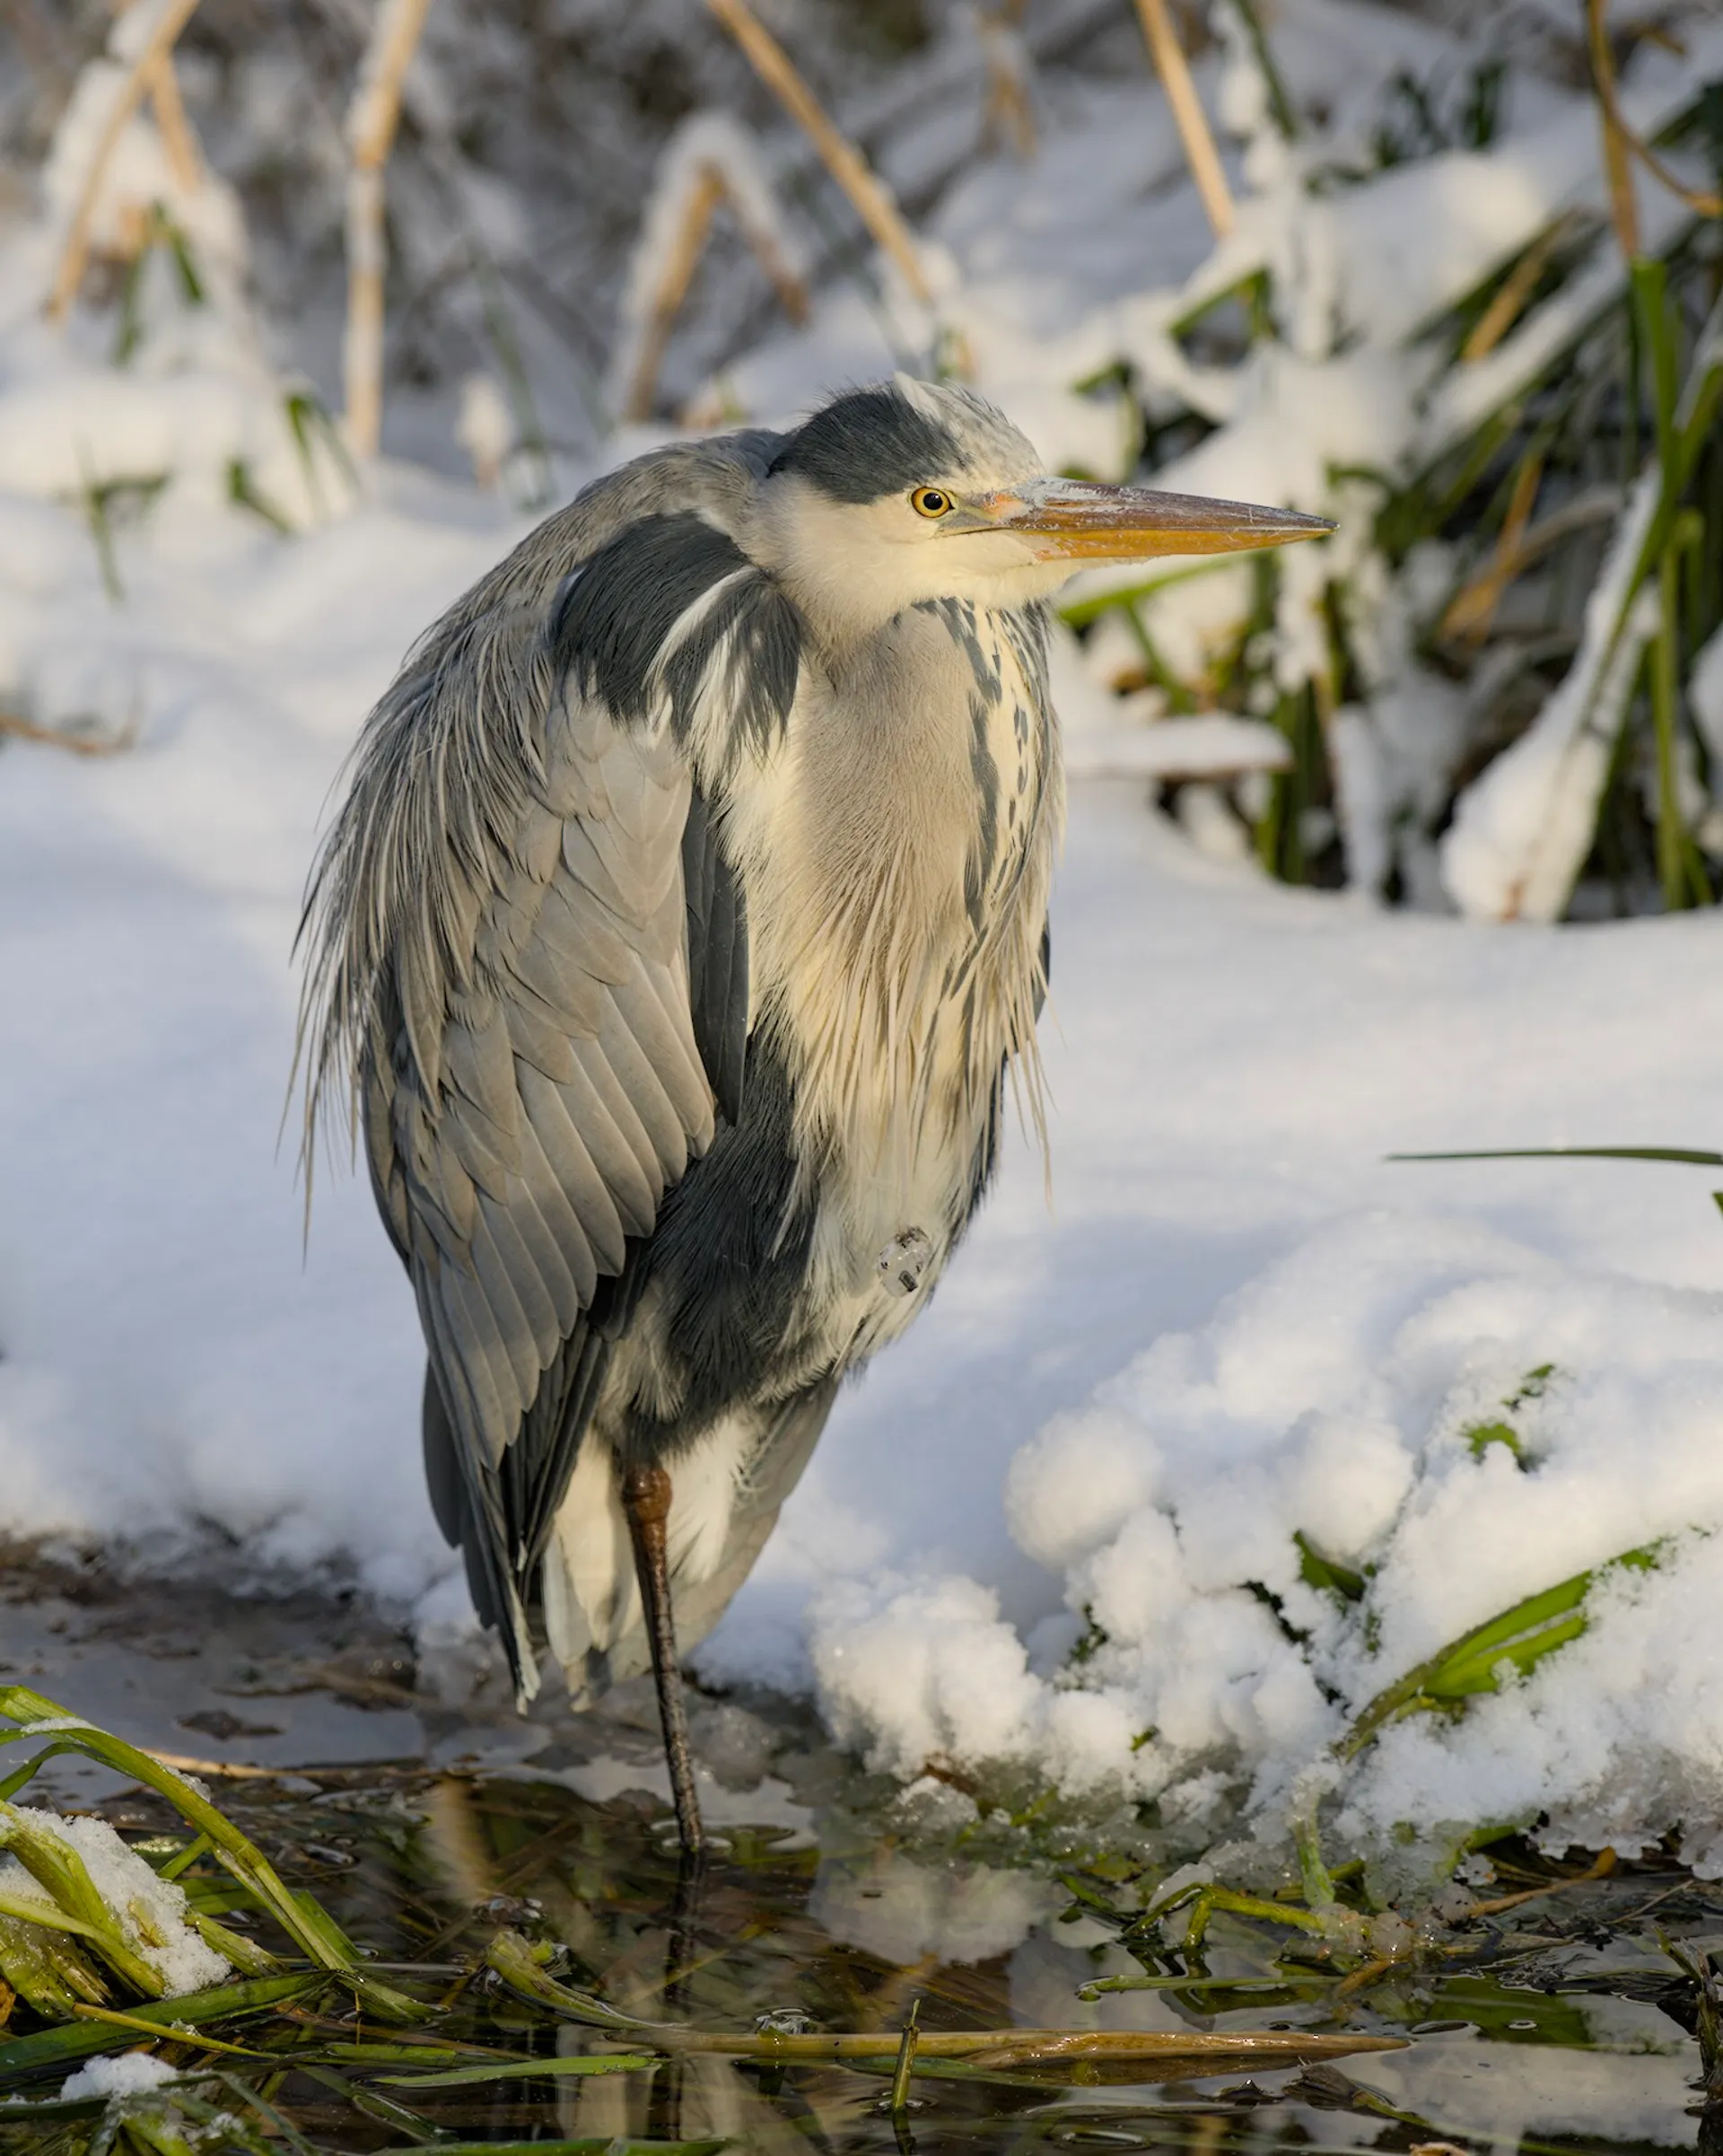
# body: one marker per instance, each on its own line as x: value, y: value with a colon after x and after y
x: 496, y: 1598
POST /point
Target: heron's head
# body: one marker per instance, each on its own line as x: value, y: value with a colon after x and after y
x: 920, y: 490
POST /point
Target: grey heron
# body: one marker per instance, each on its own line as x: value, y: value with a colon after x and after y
x: 682, y: 924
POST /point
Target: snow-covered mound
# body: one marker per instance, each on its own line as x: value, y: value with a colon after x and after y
x: 1240, y: 1323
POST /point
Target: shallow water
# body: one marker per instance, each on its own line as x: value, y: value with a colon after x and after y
x: 1562, y: 2022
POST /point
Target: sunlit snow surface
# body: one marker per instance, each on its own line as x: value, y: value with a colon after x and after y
x: 1234, y: 1321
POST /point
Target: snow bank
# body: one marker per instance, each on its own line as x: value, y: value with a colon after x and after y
x: 1338, y: 1395
x: 1241, y: 1323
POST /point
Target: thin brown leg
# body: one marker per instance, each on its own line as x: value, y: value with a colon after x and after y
x: 646, y: 1501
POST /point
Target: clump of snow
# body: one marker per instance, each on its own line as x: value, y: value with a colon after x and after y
x: 485, y: 427
x: 121, y: 2073
x: 150, y: 1911
x: 1705, y: 692
x: 1336, y: 1397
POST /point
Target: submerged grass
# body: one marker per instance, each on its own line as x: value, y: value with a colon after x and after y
x: 600, y: 2002
x: 454, y: 1963
x: 571, y: 1992
x: 435, y: 2027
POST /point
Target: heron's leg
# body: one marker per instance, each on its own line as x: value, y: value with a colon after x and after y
x: 646, y: 1501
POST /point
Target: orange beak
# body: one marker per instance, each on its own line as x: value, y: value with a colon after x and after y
x: 1075, y: 519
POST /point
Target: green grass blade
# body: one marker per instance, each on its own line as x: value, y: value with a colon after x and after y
x: 300, y: 1916
x: 48, y: 1969
x: 59, y: 1871
x: 1650, y: 279
x: 604, y: 2145
x: 48, y: 1915
x: 1314, y: 1570
x: 1522, y: 1636
x: 384, y: 2110
x: 1684, y: 1155
x: 234, y: 1947
x: 85, y: 2040
x: 510, y: 1956
x: 400, y: 2055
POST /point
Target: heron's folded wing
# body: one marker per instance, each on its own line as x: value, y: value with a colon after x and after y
x: 524, y: 1138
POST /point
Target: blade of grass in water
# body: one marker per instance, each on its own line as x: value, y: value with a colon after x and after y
x: 516, y: 2070
x: 46, y: 1967
x: 77, y: 1906
x: 85, y: 2040
x: 308, y: 1925
x: 510, y: 1957
x: 604, y: 2145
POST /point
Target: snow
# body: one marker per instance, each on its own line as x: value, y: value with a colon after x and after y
x: 485, y: 427
x: 120, y: 2073
x: 1040, y: 1537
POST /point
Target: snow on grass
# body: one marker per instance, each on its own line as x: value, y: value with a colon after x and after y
x: 122, y: 2073
x: 150, y: 1912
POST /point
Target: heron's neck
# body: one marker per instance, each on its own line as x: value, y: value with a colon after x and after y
x: 912, y: 819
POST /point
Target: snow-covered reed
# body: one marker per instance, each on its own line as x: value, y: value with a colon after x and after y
x: 711, y: 160
x: 1429, y: 332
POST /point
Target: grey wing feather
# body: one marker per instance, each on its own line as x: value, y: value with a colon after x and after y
x: 717, y: 955
x: 633, y: 1106
x: 501, y: 966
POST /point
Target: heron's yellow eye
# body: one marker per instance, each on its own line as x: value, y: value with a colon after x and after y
x: 932, y: 501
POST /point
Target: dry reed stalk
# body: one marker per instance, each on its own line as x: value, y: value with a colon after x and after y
x: 1185, y: 2054
x: 1620, y: 145
x: 1474, y: 607
x: 840, y: 156
x: 163, y: 21
x: 22, y: 728
x: 1188, y: 116
x: 371, y: 121
x: 1618, y: 173
x: 1008, y: 116
x: 709, y: 191
x: 177, y: 137
x: 1603, y: 1866
x: 1509, y: 302
x: 672, y: 286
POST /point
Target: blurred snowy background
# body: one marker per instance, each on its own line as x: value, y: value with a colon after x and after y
x: 1404, y: 842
